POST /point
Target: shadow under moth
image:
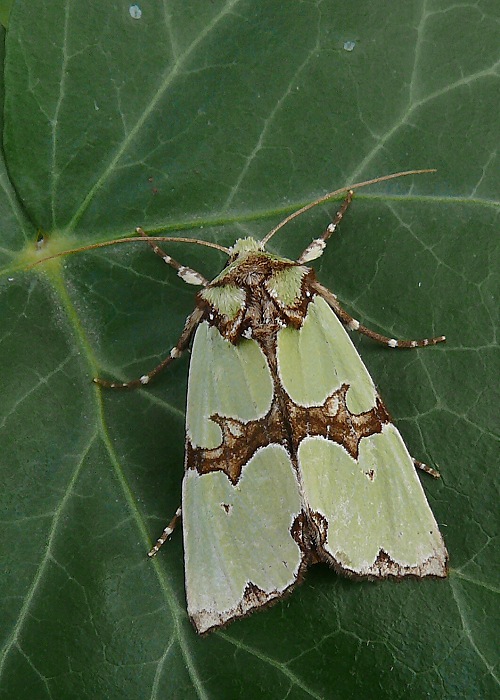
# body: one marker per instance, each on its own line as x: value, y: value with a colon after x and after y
x: 291, y: 456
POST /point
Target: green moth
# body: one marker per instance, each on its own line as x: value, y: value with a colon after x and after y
x: 291, y: 455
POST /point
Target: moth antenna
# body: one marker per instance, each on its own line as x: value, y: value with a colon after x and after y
x: 93, y: 246
x: 223, y: 249
x: 331, y: 195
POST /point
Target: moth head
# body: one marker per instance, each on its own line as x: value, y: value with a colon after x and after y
x: 244, y: 247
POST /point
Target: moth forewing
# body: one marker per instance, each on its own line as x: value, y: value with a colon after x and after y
x: 358, y: 479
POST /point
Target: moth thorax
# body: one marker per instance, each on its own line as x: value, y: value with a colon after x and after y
x: 252, y: 278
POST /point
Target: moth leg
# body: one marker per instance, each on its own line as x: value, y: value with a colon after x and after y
x: 425, y: 468
x: 191, y: 323
x: 315, y: 248
x: 354, y: 325
x: 187, y: 274
x: 166, y: 533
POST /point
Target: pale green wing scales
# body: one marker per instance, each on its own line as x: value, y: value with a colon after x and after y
x: 378, y: 520
x: 239, y: 553
x: 224, y: 379
x: 319, y: 358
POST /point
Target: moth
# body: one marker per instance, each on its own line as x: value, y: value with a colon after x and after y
x: 291, y: 456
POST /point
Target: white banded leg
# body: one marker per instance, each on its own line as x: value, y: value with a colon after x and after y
x: 191, y: 323
x: 425, y: 468
x: 187, y: 274
x: 166, y: 533
x: 315, y: 248
x: 354, y: 325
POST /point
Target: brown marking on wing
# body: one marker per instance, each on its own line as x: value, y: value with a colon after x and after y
x: 332, y: 420
x: 384, y: 566
x: 309, y: 530
x: 239, y: 442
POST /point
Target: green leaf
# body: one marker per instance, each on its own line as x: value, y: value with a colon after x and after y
x: 216, y: 119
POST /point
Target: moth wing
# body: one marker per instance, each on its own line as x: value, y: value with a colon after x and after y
x: 363, y: 492
x: 238, y: 503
